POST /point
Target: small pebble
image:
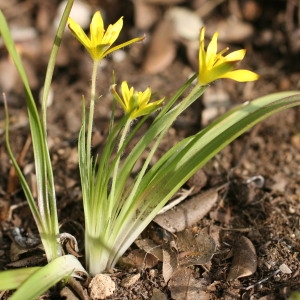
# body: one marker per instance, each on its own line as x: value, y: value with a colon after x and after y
x: 81, y: 12
x: 285, y: 269
x: 101, y: 287
x: 187, y: 23
x: 130, y: 280
x: 119, y: 56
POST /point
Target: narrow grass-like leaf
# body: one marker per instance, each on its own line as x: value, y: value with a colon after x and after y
x: 24, y: 184
x: 44, y: 278
x: 39, y: 147
x: 52, y: 59
x: 51, y: 202
x: 184, y: 159
x: 45, y: 213
x: 161, y: 123
x: 193, y: 152
x: 112, y: 220
x: 12, y: 279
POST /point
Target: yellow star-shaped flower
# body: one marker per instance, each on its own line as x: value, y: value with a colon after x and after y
x: 136, y: 103
x: 100, y: 41
x: 213, y: 65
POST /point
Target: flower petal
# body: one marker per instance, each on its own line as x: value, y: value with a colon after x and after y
x: 112, y: 32
x: 214, y: 65
x: 144, y: 97
x: 134, y: 103
x: 241, y: 75
x: 135, y: 40
x: 148, y: 109
x: 236, y: 55
x: 127, y: 95
x: 78, y: 33
x: 100, y: 41
x: 117, y: 96
x: 96, y: 29
x: 202, y: 53
x: 211, y: 52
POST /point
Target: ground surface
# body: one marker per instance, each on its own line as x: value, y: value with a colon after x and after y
x: 259, y: 204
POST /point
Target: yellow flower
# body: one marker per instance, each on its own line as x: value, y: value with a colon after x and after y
x: 100, y: 41
x: 213, y: 65
x: 136, y: 103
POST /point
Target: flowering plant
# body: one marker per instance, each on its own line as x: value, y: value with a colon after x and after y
x: 115, y: 211
x: 213, y: 65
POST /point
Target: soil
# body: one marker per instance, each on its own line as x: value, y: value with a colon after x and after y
x: 259, y: 205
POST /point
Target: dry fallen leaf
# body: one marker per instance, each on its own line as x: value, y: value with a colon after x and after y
x: 244, y: 261
x: 68, y: 294
x: 197, y: 181
x: 76, y: 286
x: 188, y: 213
x: 184, y: 286
x: 195, y: 249
x: 150, y: 247
x: 231, y: 31
x: 139, y: 259
x: 170, y: 262
x: 158, y: 295
x: 130, y: 280
x: 162, y: 49
x: 145, y: 14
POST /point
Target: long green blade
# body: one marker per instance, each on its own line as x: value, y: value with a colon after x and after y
x: 45, y: 212
x: 192, y: 153
x: 12, y: 279
x: 183, y: 160
x: 162, y: 122
x: 44, y: 278
x: 35, y: 125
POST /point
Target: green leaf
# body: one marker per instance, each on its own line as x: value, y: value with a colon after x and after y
x: 161, y: 124
x: 45, y: 277
x: 38, y: 138
x: 12, y: 279
x: 183, y: 160
x: 294, y: 296
x: 45, y: 212
x: 52, y: 59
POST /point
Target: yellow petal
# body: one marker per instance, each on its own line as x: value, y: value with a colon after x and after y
x: 117, y: 96
x: 202, y: 54
x: 214, y: 65
x: 147, y: 109
x: 112, y: 32
x: 241, y: 75
x: 135, y: 40
x: 100, y: 41
x: 124, y: 88
x: 127, y: 95
x: 212, y: 51
x: 144, y: 97
x: 236, y: 55
x: 79, y: 33
x: 96, y: 29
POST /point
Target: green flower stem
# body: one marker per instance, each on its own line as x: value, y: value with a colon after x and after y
x: 91, y: 114
x: 128, y: 224
x: 103, y: 214
x: 87, y: 178
x: 86, y: 167
x: 112, y: 197
x: 97, y: 253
